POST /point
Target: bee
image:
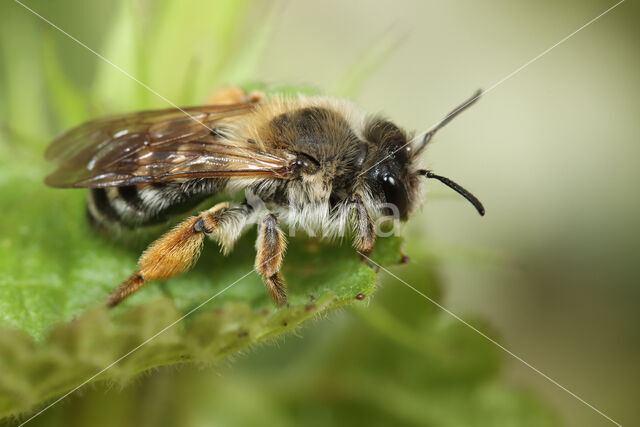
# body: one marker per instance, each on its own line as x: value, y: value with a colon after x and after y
x: 317, y: 164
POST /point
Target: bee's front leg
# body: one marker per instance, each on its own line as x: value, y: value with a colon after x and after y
x: 271, y: 246
x: 178, y: 249
x: 365, y: 231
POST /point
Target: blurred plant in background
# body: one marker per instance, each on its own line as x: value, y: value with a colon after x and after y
x: 396, y: 361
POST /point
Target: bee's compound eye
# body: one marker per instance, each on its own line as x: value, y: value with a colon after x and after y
x: 395, y: 194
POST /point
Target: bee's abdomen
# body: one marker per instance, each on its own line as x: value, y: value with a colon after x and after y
x: 140, y: 205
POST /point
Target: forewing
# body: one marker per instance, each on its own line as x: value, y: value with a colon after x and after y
x: 160, y: 146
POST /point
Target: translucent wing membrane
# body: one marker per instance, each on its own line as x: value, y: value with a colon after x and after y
x: 161, y: 146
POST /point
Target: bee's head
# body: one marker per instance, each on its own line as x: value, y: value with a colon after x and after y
x: 390, y: 170
x: 390, y: 176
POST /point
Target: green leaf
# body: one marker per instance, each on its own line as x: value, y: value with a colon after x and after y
x: 397, y: 362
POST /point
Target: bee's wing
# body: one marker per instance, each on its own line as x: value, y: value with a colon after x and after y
x: 160, y: 146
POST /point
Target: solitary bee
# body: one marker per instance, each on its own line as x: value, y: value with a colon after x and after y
x: 317, y: 164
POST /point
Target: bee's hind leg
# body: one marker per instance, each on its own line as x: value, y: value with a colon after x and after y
x: 271, y: 246
x: 233, y: 95
x: 178, y: 249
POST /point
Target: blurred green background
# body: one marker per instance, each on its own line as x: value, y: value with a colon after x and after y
x: 552, y: 152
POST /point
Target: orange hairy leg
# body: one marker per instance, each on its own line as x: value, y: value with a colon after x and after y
x: 171, y: 254
x: 271, y: 246
x: 365, y: 232
x: 233, y: 95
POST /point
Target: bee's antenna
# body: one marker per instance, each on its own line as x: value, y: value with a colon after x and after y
x: 457, y: 188
x: 427, y: 136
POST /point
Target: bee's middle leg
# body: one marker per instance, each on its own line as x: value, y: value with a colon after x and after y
x: 365, y: 231
x: 271, y: 246
x: 178, y: 249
